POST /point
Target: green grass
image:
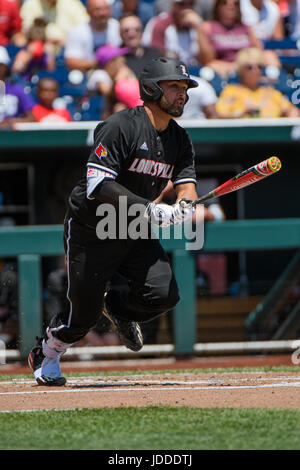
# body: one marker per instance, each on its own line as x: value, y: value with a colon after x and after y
x: 152, y: 428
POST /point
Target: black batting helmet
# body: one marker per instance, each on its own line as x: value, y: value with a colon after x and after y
x: 158, y: 70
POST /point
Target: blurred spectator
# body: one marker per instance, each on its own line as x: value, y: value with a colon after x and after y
x: 127, y: 93
x: 113, y: 69
x: 249, y: 98
x: 284, y: 9
x: 10, y: 23
x: 265, y: 18
x: 144, y: 10
x: 9, y: 303
x: 202, y: 101
x: 16, y: 105
x: 176, y: 33
x: 223, y: 36
x: 131, y: 32
x: 294, y: 18
x: 60, y: 15
x: 48, y: 108
x: 85, y: 38
x: 38, y: 55
x: 57, y: 285
x: 202, y: 7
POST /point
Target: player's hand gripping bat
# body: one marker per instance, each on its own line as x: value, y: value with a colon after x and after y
x: 245, y: 178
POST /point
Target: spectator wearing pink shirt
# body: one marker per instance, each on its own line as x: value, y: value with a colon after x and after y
x: 225, y: 35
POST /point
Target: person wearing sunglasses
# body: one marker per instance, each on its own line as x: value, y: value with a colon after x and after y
x: 131, y: 32
x: 250, y: 98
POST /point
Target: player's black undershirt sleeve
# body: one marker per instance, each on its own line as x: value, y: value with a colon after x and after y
x: 109, y: 192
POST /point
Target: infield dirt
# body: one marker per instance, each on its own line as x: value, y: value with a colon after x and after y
x: 199, y: 389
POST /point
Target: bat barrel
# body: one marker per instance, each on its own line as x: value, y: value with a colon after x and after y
x: 268, y: 167
x: 245, y: 178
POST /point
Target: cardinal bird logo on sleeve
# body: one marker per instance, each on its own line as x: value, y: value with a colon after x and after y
x: 101, y: 151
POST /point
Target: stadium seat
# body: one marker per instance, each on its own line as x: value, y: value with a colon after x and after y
x: 208, y: 74
x: 91, y: 108
x: 61, y: 75
x: 12, y: 51
x: 287, y: 51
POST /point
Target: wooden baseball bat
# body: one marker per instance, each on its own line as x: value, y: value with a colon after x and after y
x: 245, y: 178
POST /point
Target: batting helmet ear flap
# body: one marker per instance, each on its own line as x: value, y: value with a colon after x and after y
x: 150, y: 90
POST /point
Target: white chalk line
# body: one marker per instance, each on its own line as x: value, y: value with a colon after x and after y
x: 151, y: 389
x: 115, y: 379
x: 41, y: 410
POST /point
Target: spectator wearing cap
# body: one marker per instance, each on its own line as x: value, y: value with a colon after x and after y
x: 131, y: 32
x: 265, y: 18
x: 85, y: 38
x: 145, y: 11
x: 60, y: 16
x: 10, y: 23
x: 48, y: 108
x: 176, y: 33
x: 112, y: 70
x: 16, y: 105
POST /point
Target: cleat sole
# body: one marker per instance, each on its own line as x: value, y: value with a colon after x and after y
x: 51, y: 382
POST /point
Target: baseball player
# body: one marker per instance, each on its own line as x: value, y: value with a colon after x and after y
x: 135, y: 153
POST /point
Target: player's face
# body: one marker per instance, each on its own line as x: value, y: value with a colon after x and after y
x: 174, y: 96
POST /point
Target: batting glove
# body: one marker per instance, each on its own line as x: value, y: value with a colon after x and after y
x: 183, y: 211
x: 160, y: 214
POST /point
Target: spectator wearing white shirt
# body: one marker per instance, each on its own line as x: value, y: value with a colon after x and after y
x: 264, y: 17
x: 60, y: 17
x: 294, y: 19
x: 201, y: 103
x: 85, y: 38
x: 176, y: 33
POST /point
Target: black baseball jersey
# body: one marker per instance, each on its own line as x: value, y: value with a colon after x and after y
x: 128, y: 149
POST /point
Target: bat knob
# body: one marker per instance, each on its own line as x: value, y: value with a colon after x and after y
x: 185, y: 203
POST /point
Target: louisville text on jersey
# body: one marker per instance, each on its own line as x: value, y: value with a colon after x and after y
x: 151, y: 167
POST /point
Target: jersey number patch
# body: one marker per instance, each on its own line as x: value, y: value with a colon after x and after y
x: 101, y: 151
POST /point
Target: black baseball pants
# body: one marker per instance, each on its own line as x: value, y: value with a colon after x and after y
x: 136, y: 274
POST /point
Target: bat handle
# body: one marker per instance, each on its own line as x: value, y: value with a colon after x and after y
x: 204, y: 198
